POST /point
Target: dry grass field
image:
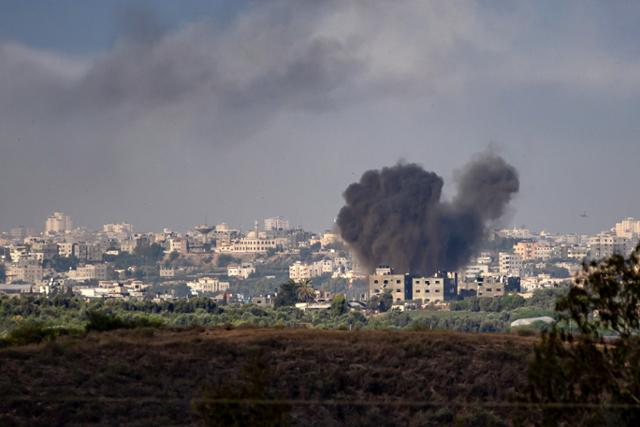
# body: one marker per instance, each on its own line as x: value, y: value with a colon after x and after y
x: 313, y: 377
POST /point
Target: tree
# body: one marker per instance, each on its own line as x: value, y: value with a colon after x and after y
x: 61, y: 264
x: 339, y: 305
x: 305, y: 291
x: 575, y: 365
x: 150, y: 254
x: 381, y: 302
x: 287, y: 294
x: 224, y: 260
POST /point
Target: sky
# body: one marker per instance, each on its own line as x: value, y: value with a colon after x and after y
x: 167, y: 114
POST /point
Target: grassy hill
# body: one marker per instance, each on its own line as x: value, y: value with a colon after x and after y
x: 276, y: 376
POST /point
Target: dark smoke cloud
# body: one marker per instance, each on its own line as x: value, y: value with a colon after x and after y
x: 395, y: 216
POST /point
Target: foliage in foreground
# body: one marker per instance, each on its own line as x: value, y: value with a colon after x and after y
x: 593, y: 376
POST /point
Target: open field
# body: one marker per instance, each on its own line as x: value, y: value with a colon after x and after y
x: 316, y: 377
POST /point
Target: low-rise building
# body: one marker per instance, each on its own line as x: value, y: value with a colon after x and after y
x: 90, y: 272
x: 242, y: 271
x: 208, y: 285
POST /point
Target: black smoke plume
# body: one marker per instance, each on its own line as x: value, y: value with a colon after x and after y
x: 394, y: 216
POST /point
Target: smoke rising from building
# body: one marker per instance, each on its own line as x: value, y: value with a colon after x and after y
x: 395, y: 216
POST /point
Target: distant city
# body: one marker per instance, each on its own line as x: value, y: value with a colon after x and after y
x: 225, y: 264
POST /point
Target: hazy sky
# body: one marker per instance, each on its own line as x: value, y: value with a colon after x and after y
x: 161, y: 113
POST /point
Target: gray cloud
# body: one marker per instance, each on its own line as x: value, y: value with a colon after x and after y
x: 104, y: 136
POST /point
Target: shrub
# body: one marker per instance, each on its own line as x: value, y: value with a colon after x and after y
x: 33, y: 332
x: 102, y: 322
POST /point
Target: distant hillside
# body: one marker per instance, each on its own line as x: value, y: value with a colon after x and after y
x: 299, y: 376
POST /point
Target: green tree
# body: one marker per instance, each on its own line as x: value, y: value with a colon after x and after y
x: 339, y: 305
x: 287, y: 294
x: 225, y: 259
x: 575, y: 365
x: 305, y: 291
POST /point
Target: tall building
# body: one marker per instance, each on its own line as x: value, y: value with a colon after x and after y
x: 276, y: 223
x: 628, y: 228
x: 57, y: 223
x: 510, y: 264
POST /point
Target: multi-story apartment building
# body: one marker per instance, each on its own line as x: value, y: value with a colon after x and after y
x: 178, y: 244
x: 384, y: 279
x: 510, y: 264
x: 604, y: 245
x: 29, y: 271
x: 526, y: 250
x: 276, y: 223
x: 628, y: 228
x: 121, y: 230
x: 90, y: 272
x: 435, y: 289
x: 57, y: 223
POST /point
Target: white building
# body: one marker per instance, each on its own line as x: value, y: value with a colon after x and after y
x: 208, y: 285
x: 252, y: 243
x: 242, y: 271
x: 299, y: 271
x: 57, y: 223
x: 120, y: 231
x: 276, y: 223
x: 628, y: 228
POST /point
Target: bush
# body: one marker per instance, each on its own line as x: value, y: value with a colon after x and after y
x: 102, y: 322
x: 33, y: 332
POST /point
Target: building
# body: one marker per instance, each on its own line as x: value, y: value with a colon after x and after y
x: 167, y: 271
x: 385, y: 280
x: 435, y: 289
x: 605, y: 245
x: 250, y: 244
x: 526, y: 250
x: 28, y: 271
x: 242, y: 271
x: 299, y: 271
x: 57, y: 223
x: 276, y: 223
x: 43, y: 250
x: 509, y: 264
x: 179, y: 245
x: 90, y: 272
x: 628, y: 228
x: 489, y: 286
x: 208, y: 285
x: 121, y: 230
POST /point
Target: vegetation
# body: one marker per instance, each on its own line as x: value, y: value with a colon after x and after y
x: 576, y: 367
x: 61, y: 264
x: 296, y: 376
x: 225, y: 260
